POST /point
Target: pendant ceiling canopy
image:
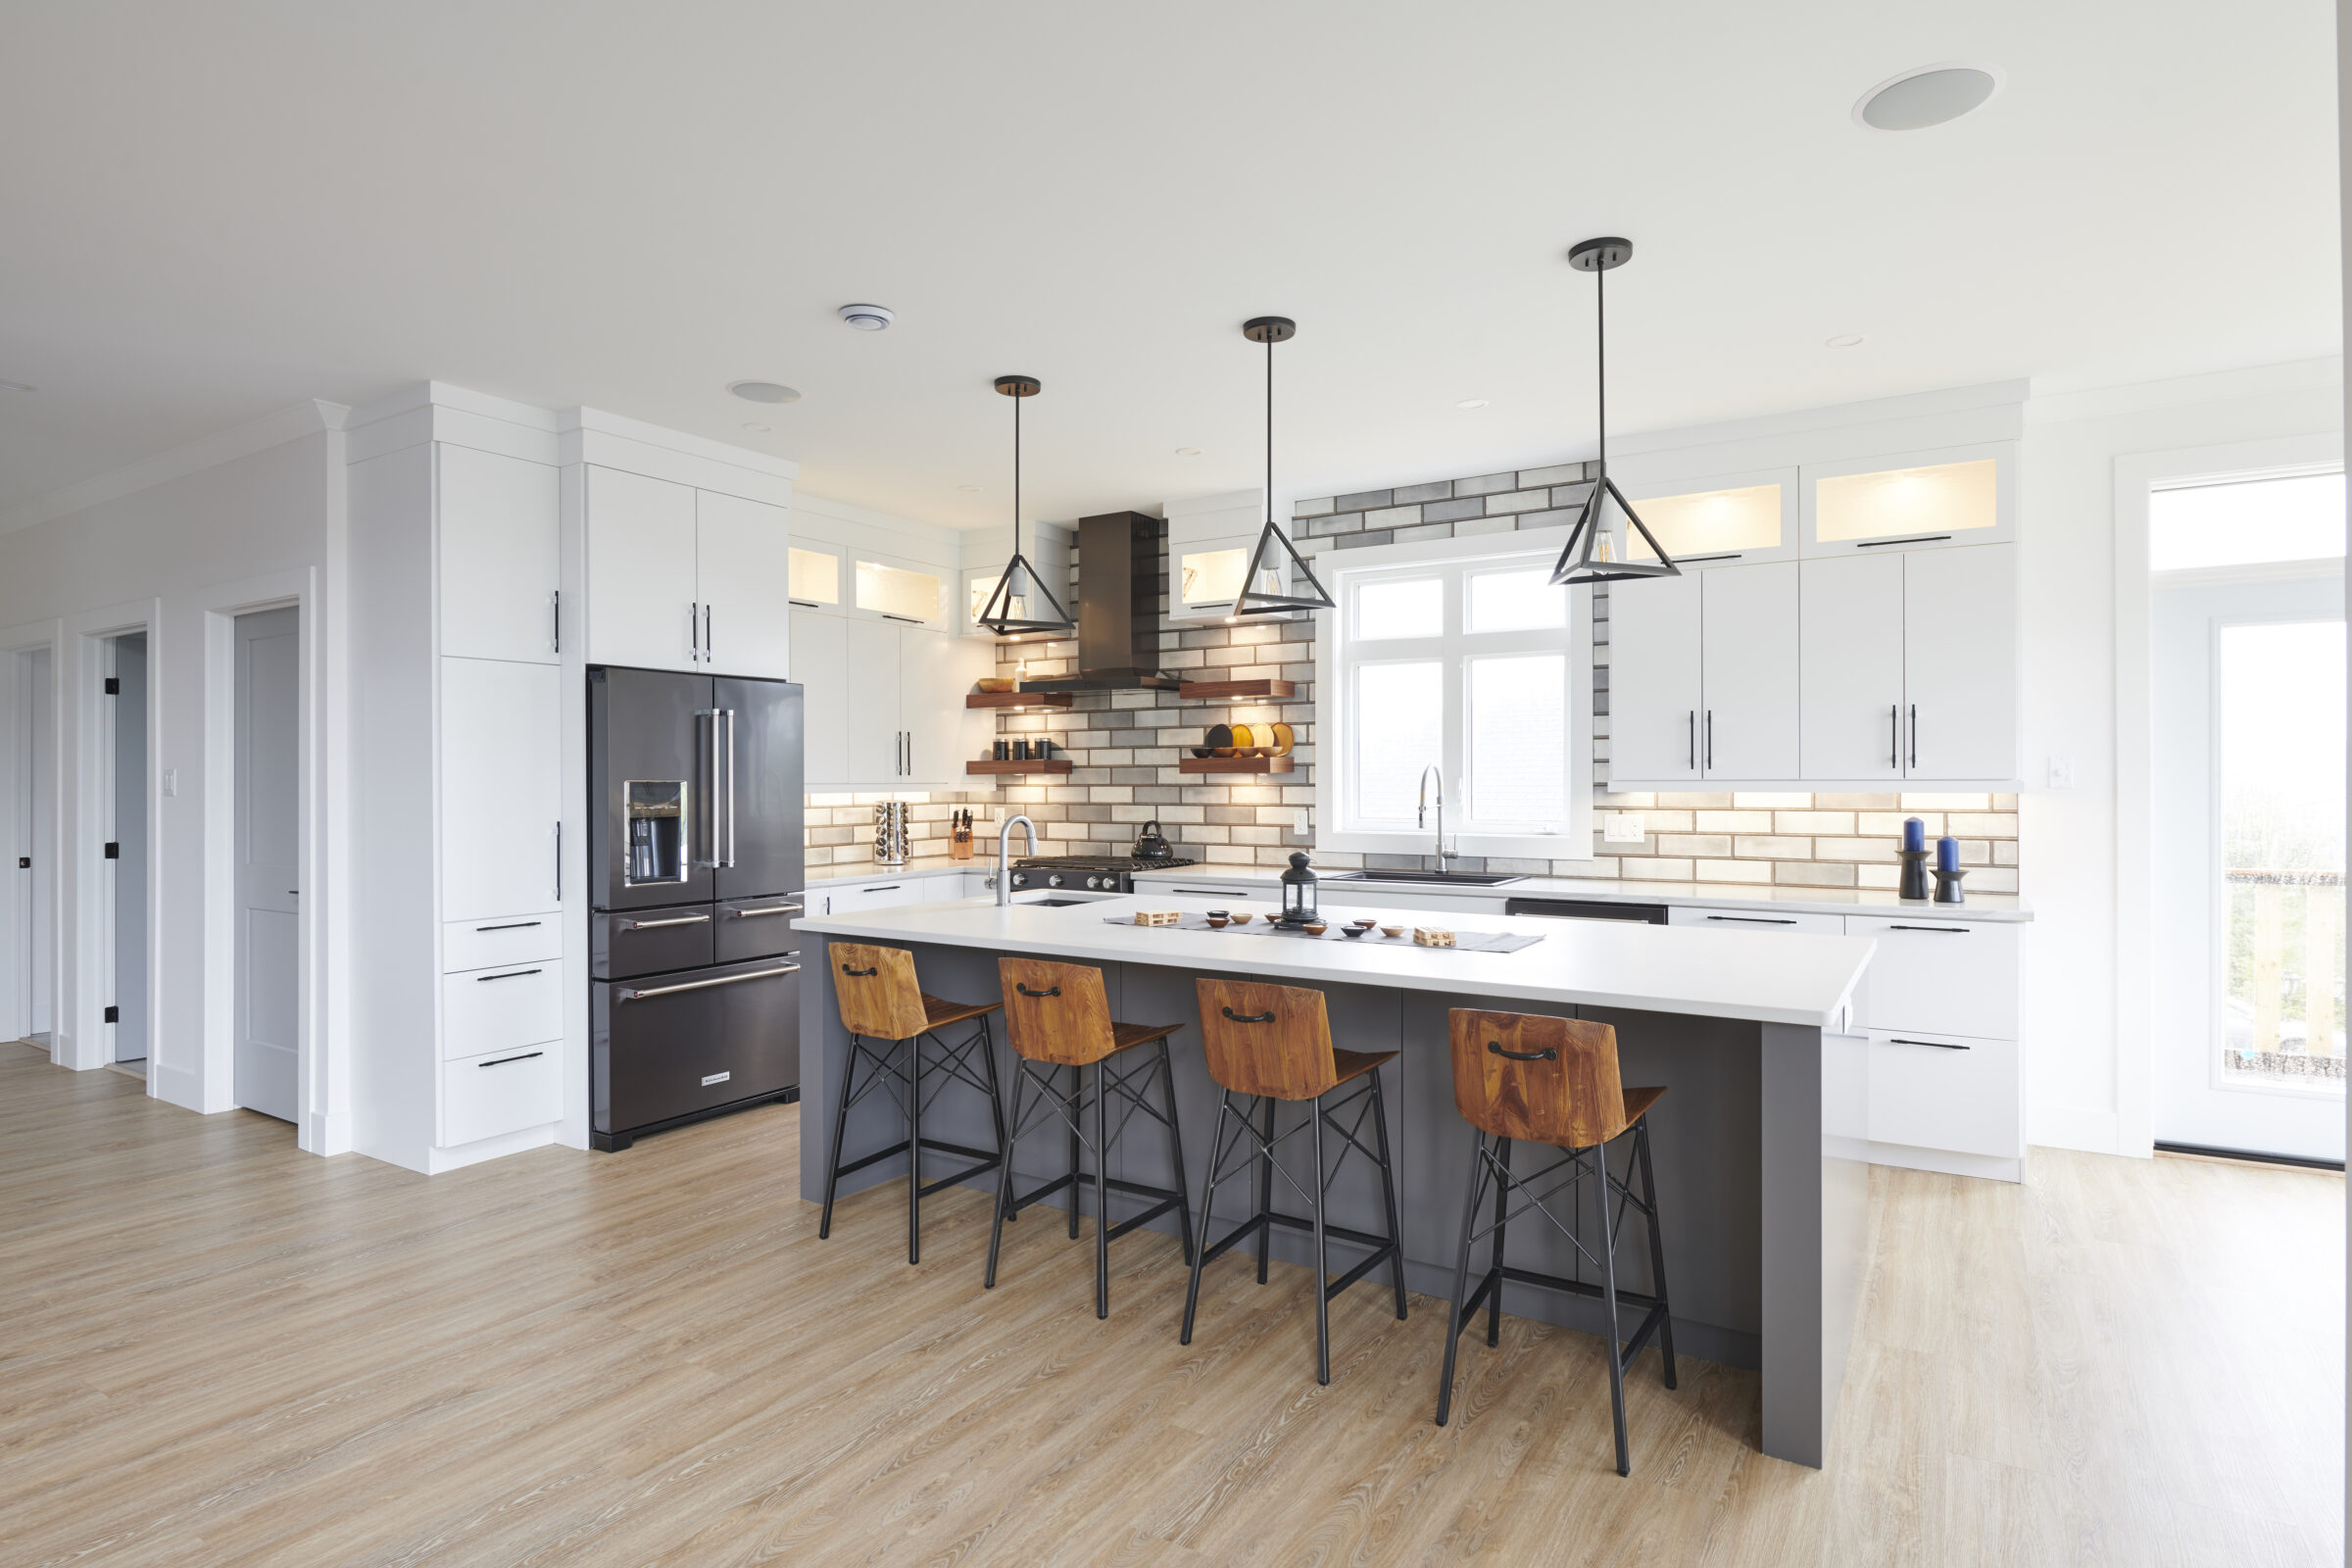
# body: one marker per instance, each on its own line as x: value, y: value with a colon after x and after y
x: 1020, y: 591
x: 1262, y: 588
x: 1589, y: 556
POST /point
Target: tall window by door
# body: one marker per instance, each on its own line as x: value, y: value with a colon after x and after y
x: 2249, y: 795
x: 1465, y: 657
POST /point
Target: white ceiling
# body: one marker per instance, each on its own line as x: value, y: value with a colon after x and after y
x: 211, y: 211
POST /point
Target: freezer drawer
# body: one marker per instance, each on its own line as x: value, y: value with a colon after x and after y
x: 668, y: 1046
x: 502, y: 1091
x: 756, y: 928
x: 506, y: 1008
x: 625, y: 943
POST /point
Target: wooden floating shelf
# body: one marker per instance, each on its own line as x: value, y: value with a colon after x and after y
x: 1021, y: 764
x: 1226, y: 690
x: 1019, y: 702
x: 1235, y: 765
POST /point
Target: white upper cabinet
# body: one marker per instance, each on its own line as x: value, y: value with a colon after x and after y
x: 1209, y: 542
x: 911, y: 593
x: 1852, y: 701
x: 820, y: 663
x: 1747, y: 726
x: 875, y: 728
x: 1952, y: 496
x: 643, y: 606
x: 501, y: 764
x: 1960, y: 695
x: 817, y: 575
x: 743, y: 572
x: 1655, y: 677
x: 1717, y: 521
x: 500, y: 531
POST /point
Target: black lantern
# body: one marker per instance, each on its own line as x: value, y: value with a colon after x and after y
x: 1298, y: 892
x: 1008, y: 610
x: 1262, y: 592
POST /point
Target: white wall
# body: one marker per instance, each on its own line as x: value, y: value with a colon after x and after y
x: 178, y: 546
x: 2067, y: 838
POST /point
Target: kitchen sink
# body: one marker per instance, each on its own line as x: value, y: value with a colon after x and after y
x: 1052, y: 903
x: 1436, y: 879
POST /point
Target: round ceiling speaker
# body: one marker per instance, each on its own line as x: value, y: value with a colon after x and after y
x: 866, y: 317
x: 764, y: 392
x: 1932, y: 95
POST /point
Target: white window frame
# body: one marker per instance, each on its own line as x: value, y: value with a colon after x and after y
x: 1338, y: 653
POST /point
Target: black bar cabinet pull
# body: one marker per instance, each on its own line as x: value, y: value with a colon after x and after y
x: 1255, y: 1017
x: 1915, y: 539
x: 1548, y: 1053
x: 511, y: 925
x: 861, y: 973
x: 1754, y: 919
x: 1940, y: 1045
x: 1055, y: 992
x: 511, y: 974
x: 502, y: 1060
x: 1940, y: 930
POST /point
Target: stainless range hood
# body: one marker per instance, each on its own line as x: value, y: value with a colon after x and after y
x: 1119, y: 588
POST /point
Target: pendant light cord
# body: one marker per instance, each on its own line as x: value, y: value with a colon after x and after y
x: 1017, y: 486
x: 1269, y: 429
x: 1601, y: 359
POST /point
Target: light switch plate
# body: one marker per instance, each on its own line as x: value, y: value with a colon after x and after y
x: 170, y: 781
x: 1623, y: 828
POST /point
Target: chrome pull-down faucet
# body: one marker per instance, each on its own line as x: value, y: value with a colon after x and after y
x: 1421, y: 815
x: 1005, y: 853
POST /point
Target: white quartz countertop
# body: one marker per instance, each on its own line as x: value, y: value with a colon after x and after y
x: 1793, y: 979
x: 2005, y: 908
x: 847, y: 874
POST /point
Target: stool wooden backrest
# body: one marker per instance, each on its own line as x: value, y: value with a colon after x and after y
x: 1267, y: 1039
x: 1536, y: 1079
x: 1055, y: 1013
x: 877, y: 993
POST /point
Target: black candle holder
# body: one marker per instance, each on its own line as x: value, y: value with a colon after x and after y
x: 1948, y: 887
x: 1915, y: 874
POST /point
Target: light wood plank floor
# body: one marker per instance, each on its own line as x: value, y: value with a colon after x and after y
x: 215, y: 1349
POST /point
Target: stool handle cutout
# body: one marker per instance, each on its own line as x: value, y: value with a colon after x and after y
x: 1026, y: 992
x: 859, y: 973
x: 1548, y: 1053
x: 1254, y: 1017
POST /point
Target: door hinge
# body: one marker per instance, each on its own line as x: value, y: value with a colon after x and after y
x: 113, y: 685
x: 24, y: 863
x: 113, y: 852
x: 114, y: 1014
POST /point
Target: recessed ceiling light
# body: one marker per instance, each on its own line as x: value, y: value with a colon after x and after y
x: 763, y: 392
x: 1471, y: 402
x: 1188, y: 451
x: 760, y: 429
x: 1929, y: 95
x: 1844, y: 340
x: 867, y: 318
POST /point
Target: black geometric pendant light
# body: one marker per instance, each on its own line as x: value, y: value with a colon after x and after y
x: 1264, y: 564
x: 1588, y: 556
x: 1007, y: 613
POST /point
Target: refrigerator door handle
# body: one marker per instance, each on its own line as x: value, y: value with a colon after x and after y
x: 705, y: 985
x: 729, y: 861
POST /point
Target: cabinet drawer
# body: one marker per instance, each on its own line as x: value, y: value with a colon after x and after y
x: 500, y: 1092
x: 853, y: 897
x: 1761, y: 920
x: 488, y: 944
x: 1945, y: 1092
x: 1940, y: 976
x: 505, y: 1008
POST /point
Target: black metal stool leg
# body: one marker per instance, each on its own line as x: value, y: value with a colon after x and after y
x: 1502, y: 1196
x: 1388, y: 1191
x: 841, y: 1120
x: 1005, y: 1181
x: 1183, y: 1206
x: 1608, y: 1309
x: 1076, y: 1101
x: 1208, y: 1208
x: 1457, y: 1317
x: 1265, y: 1188
x: 914, y: 1149
x: 1316, y: 1192
x: 1657, y: 1248
x: 996, y: 1107
x: 1101, y: 1198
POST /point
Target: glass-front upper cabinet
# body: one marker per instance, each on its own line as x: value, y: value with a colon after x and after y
x: 1716, y: 520
x: 813, y: 573
x: 901, y: 590
x: 1912, y: 501
x: 1209, y: 542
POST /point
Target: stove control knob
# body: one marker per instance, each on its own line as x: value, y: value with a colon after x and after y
x: 1093, y: 881
x: 1054, y: 880
x: 1020, y: 879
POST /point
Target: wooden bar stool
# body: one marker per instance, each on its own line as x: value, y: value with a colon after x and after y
x: 1270, y: 1045
x: 1057, y: 1016
x: 889, y: 1017
x: 1522, y: 1078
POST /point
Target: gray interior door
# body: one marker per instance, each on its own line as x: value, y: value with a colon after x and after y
x: 267, y: 814
x: 40, y: 846
x: 130, y: 836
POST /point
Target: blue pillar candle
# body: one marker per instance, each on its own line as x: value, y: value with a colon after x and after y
x: 1915, y: 835
x: 1947, y: 853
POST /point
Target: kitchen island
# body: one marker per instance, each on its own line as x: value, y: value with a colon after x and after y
x: 1759, y: 1143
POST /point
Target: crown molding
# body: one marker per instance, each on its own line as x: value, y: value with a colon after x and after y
x: 2325, y: 374
x: 308, y: 417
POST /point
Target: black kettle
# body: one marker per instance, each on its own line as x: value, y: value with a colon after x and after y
x: 1149, y: 846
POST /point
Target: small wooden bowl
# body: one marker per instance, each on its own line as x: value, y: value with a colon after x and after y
x: 996, y: 683
x: 1392, y: 930
x: 1244, y: 917
x: 1314, y: 928
x: 1218, y: 920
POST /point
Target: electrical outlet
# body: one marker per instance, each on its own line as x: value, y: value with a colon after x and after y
x: 2062, y: 772
x: 1302, y: 822
x: 170, y: 781
x: 1623, y: 828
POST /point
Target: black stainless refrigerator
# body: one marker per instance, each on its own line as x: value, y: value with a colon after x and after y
x: 695, y: 862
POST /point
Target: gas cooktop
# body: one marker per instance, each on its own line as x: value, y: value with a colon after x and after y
x: 1098, y: 873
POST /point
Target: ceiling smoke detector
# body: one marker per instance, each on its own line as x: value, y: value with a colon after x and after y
x: 763, y: 392
x: 867, y: 318
x: 1931, y: 95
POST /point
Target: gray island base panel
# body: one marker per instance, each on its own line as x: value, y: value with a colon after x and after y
x: 1758, y: 1144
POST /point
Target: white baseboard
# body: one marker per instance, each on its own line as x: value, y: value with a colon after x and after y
x: 473, y: 1154
x: 2094, y: 1132
x: 328, y: 1134
x: 1983, y: 1166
